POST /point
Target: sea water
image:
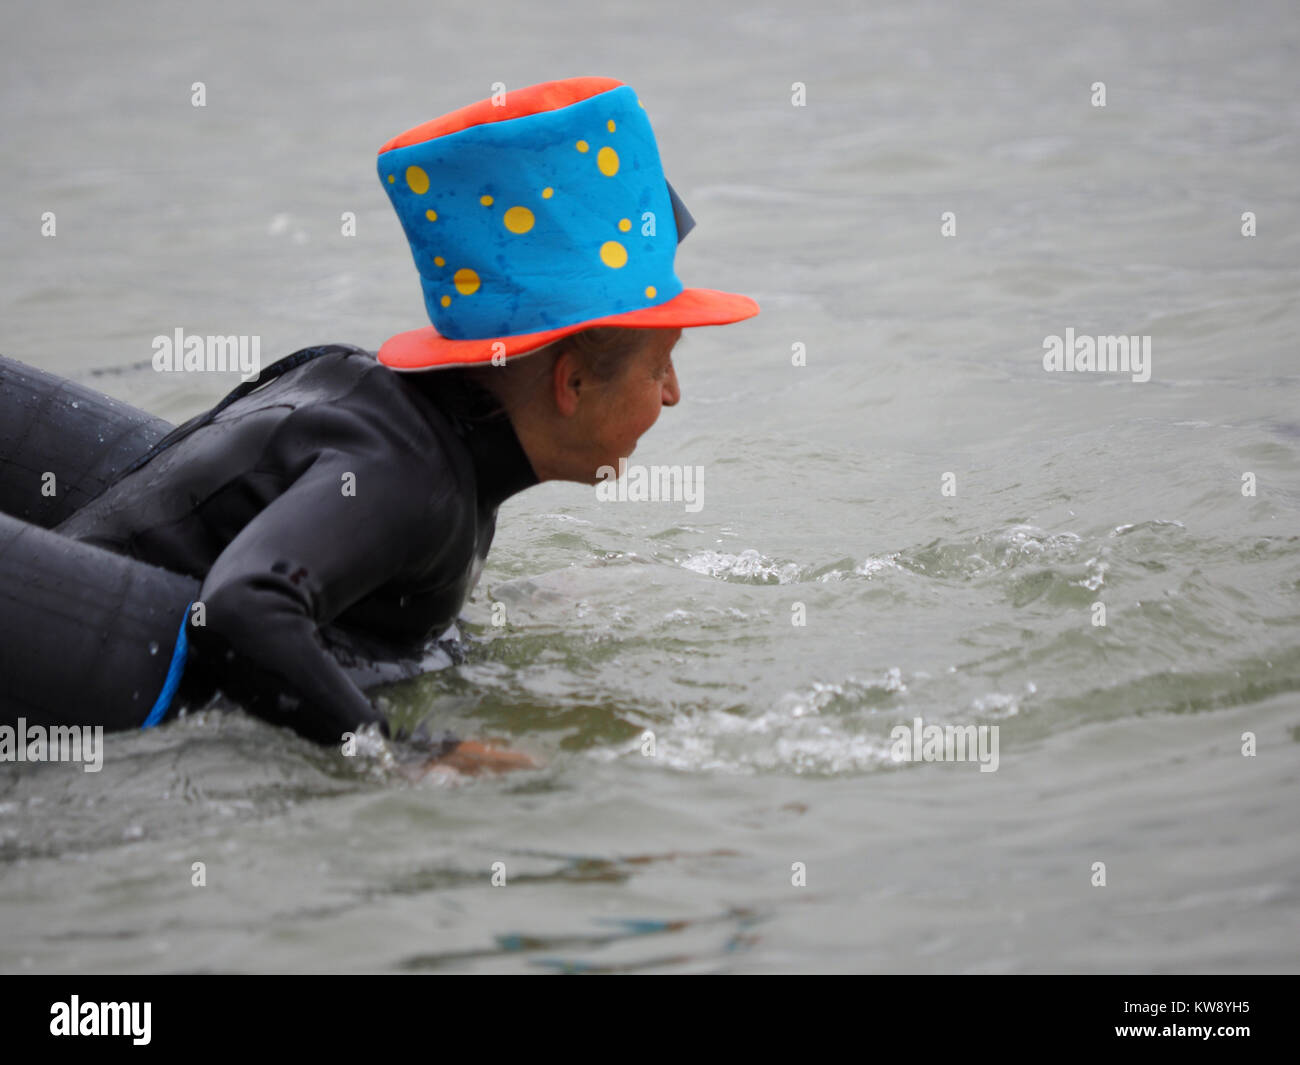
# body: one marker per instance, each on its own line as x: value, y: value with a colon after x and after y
x: 911, y: 521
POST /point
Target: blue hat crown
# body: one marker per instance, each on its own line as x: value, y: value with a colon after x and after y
x: 538, y: 222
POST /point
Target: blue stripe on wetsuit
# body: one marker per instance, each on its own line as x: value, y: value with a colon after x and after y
x: 174, y: 672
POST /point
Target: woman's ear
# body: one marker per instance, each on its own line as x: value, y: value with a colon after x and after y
x: 566, y: 382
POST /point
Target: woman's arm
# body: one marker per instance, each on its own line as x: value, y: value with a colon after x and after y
x: 343, y: 529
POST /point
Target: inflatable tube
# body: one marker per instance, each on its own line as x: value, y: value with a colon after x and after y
x: 88, y: 637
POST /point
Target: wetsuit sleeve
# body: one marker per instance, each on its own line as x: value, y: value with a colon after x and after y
x: 310, y: 554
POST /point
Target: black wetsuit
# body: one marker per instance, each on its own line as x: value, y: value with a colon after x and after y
x: 341, y: 494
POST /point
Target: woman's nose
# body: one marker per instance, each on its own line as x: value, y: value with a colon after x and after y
x: 672, y: 390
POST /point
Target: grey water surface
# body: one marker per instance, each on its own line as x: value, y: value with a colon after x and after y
x: 1119, y: 744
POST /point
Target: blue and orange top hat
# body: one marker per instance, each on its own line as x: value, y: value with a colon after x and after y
x: 537, y: 216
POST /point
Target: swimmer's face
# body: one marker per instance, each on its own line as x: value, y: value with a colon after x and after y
x: 572, y: 420
x: 619, y: 412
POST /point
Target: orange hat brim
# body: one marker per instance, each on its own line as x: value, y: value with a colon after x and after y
x: 426, y: 349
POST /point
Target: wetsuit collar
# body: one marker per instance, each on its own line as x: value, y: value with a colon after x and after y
x: 501, y: 466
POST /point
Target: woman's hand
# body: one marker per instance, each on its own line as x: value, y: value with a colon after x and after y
x: 472, y: 758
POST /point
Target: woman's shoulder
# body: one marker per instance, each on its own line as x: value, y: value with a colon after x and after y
x: 360, y: 415
x: 352, y: 389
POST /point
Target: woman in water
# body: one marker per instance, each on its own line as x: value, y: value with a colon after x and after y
x: 344, y: 503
